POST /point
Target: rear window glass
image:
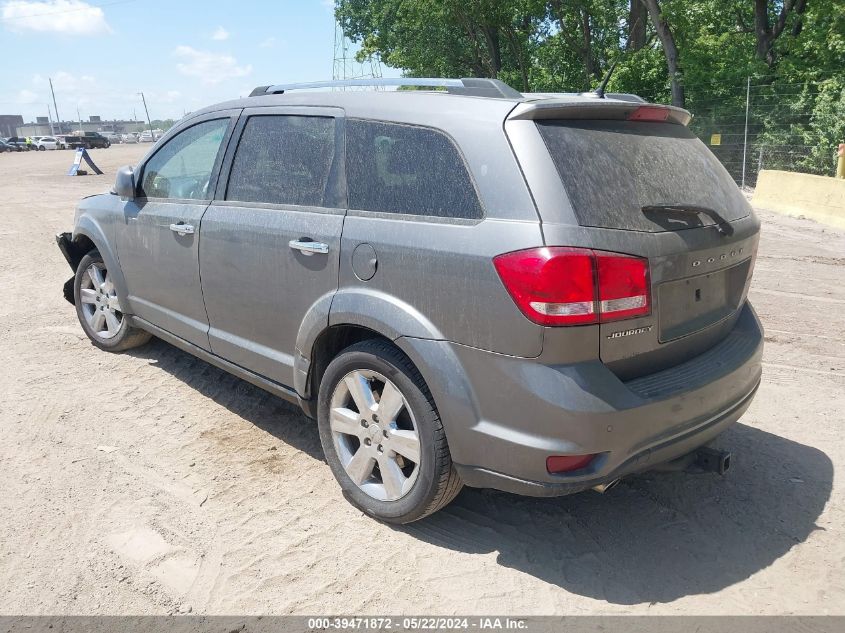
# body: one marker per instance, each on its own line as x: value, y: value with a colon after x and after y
x: 283, y: 160
x: 406, y: 169
x: 612, y: 169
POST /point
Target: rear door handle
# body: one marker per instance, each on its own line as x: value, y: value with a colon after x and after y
x: 308, y: 247
x: 182, y: 229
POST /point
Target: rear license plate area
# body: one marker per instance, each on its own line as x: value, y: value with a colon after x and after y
x: 694, y: 303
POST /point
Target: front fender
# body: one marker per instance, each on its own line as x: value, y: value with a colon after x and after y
x: 92, y: 229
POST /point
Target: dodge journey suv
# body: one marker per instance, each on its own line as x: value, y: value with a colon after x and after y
x: 463, y: 286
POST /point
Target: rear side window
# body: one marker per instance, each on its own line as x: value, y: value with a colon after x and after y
x: 283, y: 159
x: 395, y: 168
x: 612, y: 169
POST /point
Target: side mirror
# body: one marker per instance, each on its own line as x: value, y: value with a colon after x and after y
x: 124, y: 184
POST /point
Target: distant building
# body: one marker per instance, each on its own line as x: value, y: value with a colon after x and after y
x: 41, y: 127
x: 9, y: 124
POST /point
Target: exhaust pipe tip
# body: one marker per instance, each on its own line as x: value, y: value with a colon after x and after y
x: 602, y: 488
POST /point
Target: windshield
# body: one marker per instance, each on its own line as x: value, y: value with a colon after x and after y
x: 612, y: 170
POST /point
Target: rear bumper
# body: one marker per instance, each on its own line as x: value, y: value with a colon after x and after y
x: 478, y: 477
x: 520, y: 411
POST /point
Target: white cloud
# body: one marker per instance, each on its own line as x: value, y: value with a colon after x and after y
x: 69, y: 17
x: 27, y: 96
x: 210, y: 67
x: 168, y: 97
x: 220, y: 34
x: 64, y: 81
x: 83, y: 91
x: 270, y: 42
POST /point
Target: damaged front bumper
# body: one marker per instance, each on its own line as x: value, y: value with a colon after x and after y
x: 73, y: 254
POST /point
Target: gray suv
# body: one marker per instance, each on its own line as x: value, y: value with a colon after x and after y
x: 538, y: 293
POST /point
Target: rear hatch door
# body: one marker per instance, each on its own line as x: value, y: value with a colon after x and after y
x: 653, y: 190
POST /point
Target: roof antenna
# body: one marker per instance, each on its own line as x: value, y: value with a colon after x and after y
x: 599, y: 92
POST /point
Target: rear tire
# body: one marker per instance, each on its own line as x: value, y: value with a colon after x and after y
x: 98, y: 310
x: 359, y: 443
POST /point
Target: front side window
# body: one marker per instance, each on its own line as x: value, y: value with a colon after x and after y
x: 182, y: 168
x: 283, y: 159
x: 395, y: 168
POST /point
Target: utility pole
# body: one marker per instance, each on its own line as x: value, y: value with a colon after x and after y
x: 152, y: 136
x: 55, y: 107
x: 50, y: 119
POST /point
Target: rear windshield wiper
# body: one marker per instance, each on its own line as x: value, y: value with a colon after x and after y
x: 722, y: 225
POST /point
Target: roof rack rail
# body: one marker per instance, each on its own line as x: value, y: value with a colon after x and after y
x: 469, y: 86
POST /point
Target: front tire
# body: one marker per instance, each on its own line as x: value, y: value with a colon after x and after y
x: 98, y: 309
x: 382, y: 435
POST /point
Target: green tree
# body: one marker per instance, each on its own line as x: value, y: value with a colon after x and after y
x: 694, y: 53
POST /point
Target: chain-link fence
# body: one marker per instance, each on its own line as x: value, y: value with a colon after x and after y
x: 769, y: 124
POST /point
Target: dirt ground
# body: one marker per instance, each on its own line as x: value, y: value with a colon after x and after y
x: 152, y: 483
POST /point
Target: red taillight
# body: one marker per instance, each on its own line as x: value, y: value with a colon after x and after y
x: 567, y: 463
x: 623, y: 286
x: 559, y: 285
x: 552, y: 285
x: 649, y: 113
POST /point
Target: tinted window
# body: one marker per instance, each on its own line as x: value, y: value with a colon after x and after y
x: 182, y: 167
x: 405, y: 169
x: 283, y: 160
x: 612, y: 169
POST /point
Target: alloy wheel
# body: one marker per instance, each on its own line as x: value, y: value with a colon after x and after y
x: 99, y: 302
x: 375, y: 435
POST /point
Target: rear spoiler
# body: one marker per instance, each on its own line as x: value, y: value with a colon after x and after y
x: 584, y: 108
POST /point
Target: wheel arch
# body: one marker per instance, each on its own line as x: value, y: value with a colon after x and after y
x: 438, y: 366
x: 89, y: 232
x: 329, y: 344
x: 348, y: 320
x: 352, y: 314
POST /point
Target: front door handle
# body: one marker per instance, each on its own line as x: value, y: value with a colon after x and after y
x: 182, y: 229
x: 308, y: 247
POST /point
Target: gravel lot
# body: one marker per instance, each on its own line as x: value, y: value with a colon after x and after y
x: 153, y: 483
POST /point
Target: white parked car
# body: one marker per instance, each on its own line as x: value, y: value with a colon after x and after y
x: 149, y: 137
x: 129, y: 138
x: 48, y: 142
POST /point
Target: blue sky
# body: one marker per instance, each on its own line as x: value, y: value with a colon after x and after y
x: 183, y: 54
